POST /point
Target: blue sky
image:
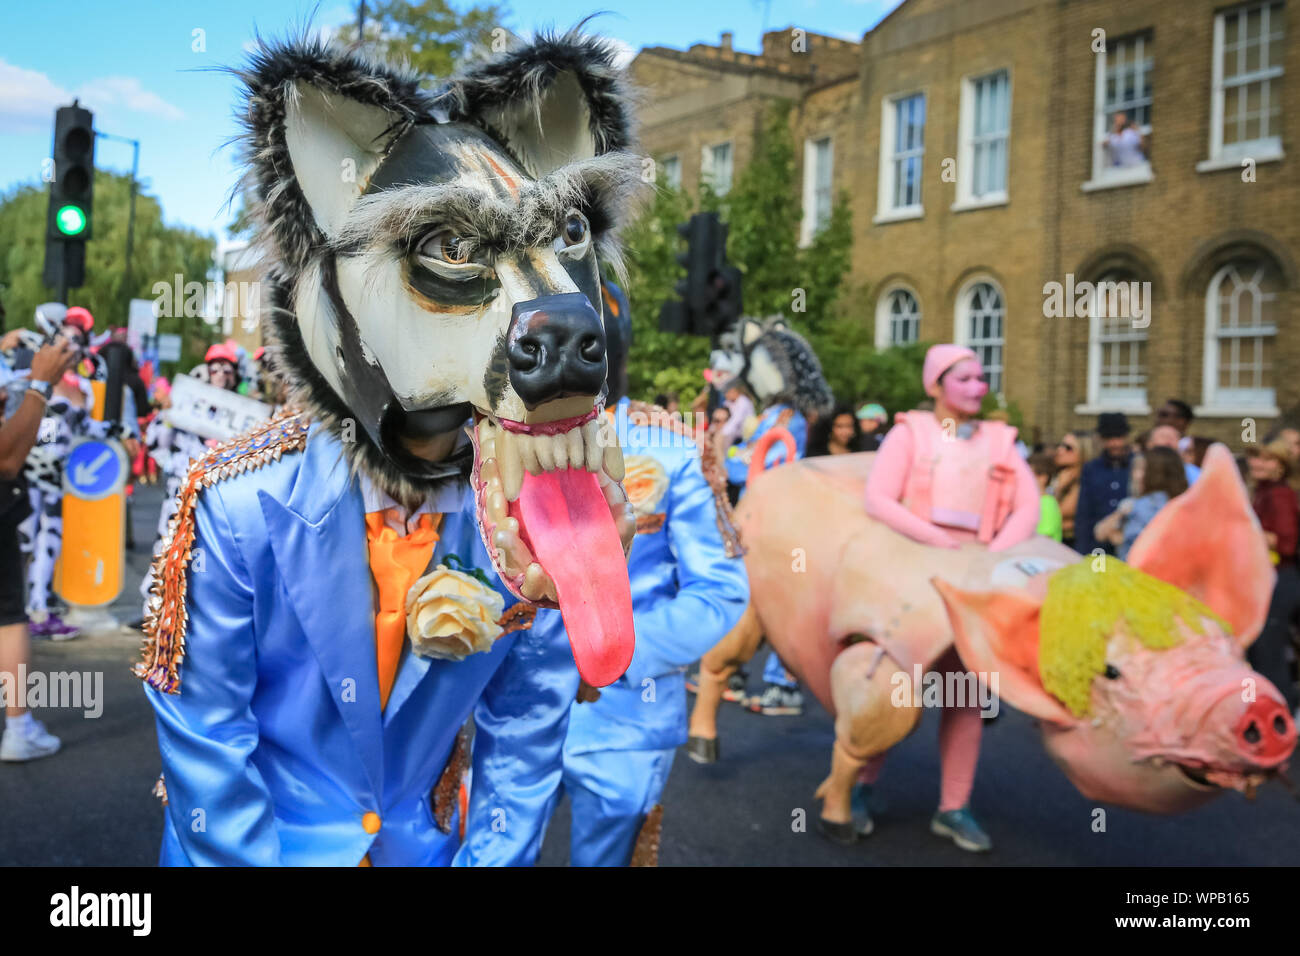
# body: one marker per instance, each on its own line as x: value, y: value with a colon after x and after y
x: 135, y: 65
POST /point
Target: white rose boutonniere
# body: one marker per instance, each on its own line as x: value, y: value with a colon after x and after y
x: 645, y: 482
x: 451, y: 614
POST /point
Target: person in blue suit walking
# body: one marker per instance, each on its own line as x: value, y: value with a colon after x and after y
x: 325, y: 614
x: 276, y: 751
x: 781, y: 695
x: 687, y: 593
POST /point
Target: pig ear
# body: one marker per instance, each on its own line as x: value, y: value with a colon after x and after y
x: 1208, y: 542
x: 996, y: 632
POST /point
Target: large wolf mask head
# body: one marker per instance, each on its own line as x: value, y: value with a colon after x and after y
x: 435, y: 258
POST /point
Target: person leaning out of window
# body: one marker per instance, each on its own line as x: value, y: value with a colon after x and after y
x: 1125, y: 144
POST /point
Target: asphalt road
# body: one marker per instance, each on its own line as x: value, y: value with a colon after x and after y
x: 91, y: 803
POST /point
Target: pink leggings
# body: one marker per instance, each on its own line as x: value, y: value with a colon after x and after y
x: 959, y: 747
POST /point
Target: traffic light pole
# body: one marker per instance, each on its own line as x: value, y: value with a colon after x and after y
x: 130, y: 216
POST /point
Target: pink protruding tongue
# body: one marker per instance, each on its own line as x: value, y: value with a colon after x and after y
x: 573, y: 537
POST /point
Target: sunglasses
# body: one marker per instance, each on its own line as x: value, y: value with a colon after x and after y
x: 1065, y: 446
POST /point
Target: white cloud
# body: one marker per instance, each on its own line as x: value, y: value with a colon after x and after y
x: 29, y: 98
x: 126, y: 91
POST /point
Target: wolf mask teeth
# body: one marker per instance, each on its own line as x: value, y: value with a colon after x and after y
x: 436, y: 256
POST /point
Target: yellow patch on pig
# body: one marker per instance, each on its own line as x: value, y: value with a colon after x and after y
x: 1082, y: 609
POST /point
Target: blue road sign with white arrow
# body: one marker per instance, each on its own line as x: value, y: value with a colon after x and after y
x: 95, y: 469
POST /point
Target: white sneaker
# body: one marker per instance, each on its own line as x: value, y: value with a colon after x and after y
x: 27, y: 741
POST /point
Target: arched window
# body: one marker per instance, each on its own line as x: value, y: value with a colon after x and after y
x: 898, y: 318
x: 1241, y: 336
x: 1117, y: 342
x: 980, y: 325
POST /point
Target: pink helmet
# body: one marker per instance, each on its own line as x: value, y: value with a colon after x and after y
x: 81, y: 318
x: 222, y: 352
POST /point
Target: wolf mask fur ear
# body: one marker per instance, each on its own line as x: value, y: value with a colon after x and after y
x: 353, y: 169
x: 320, y: 119
x: 557, y: 99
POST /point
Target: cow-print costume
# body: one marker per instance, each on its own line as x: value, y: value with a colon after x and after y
x: 41, y: 534
x: 173, y: 449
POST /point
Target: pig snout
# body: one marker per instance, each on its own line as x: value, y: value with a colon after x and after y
x: 1265, y: 734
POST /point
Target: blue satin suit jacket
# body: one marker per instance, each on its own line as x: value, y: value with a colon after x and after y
x: 276, y: 749
x: 738, y: 471
x: 686, y: 595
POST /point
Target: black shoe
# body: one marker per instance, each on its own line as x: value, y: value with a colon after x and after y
x: 702, y: 749
x: 845, y: 834
x: 861, y: 802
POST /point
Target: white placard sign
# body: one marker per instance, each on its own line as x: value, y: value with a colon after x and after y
x: 141, y: 322
x: 169, y: 348
x: 211, y: 412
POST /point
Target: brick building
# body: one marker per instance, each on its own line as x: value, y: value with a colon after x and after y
x: 971, y: 138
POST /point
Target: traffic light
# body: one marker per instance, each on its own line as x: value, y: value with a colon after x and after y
x: 725, y: 307
x: 72, y: 189
x: 710, y: 292
x: 69, y: 222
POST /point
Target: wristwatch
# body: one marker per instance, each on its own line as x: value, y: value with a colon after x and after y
x: 43, y: 389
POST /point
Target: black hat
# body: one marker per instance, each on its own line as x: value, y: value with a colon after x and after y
x: 1113, y: 425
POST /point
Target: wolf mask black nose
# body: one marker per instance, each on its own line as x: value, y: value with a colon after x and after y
x: 556, y: 348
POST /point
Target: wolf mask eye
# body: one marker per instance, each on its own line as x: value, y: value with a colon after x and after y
x: 575, y: 229
x: 574, y: 233
x: 446, y: 246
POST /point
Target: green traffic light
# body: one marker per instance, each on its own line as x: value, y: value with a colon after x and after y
x: 71, y: 220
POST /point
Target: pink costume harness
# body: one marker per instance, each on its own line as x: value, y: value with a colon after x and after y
x: 967, y: 485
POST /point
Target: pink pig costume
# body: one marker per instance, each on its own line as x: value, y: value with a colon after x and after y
x: 943, y: 485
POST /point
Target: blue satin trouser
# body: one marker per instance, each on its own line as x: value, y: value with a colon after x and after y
x: 774, y: 672
x: 610, y: 792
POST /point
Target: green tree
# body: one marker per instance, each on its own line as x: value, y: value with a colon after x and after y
x: 159, y: 254
x: 805, y: 285
x: 431, y: 36
x: 891, y: 377
x: 762, y: 215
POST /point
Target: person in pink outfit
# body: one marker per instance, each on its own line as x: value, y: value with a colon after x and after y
x: 946, y: 479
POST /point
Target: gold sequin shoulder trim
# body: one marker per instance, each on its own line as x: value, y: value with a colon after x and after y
x: 715, y: 473
x: 165, y: 616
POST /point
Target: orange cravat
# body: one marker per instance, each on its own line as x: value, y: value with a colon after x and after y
x: 396, y: 562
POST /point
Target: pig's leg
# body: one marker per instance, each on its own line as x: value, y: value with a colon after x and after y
x: 716, y: 667
x: 869, y: 720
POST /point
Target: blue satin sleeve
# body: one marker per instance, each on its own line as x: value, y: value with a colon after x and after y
x: 712, y: 588
x: 520, y: 723
x: 219, y: 805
